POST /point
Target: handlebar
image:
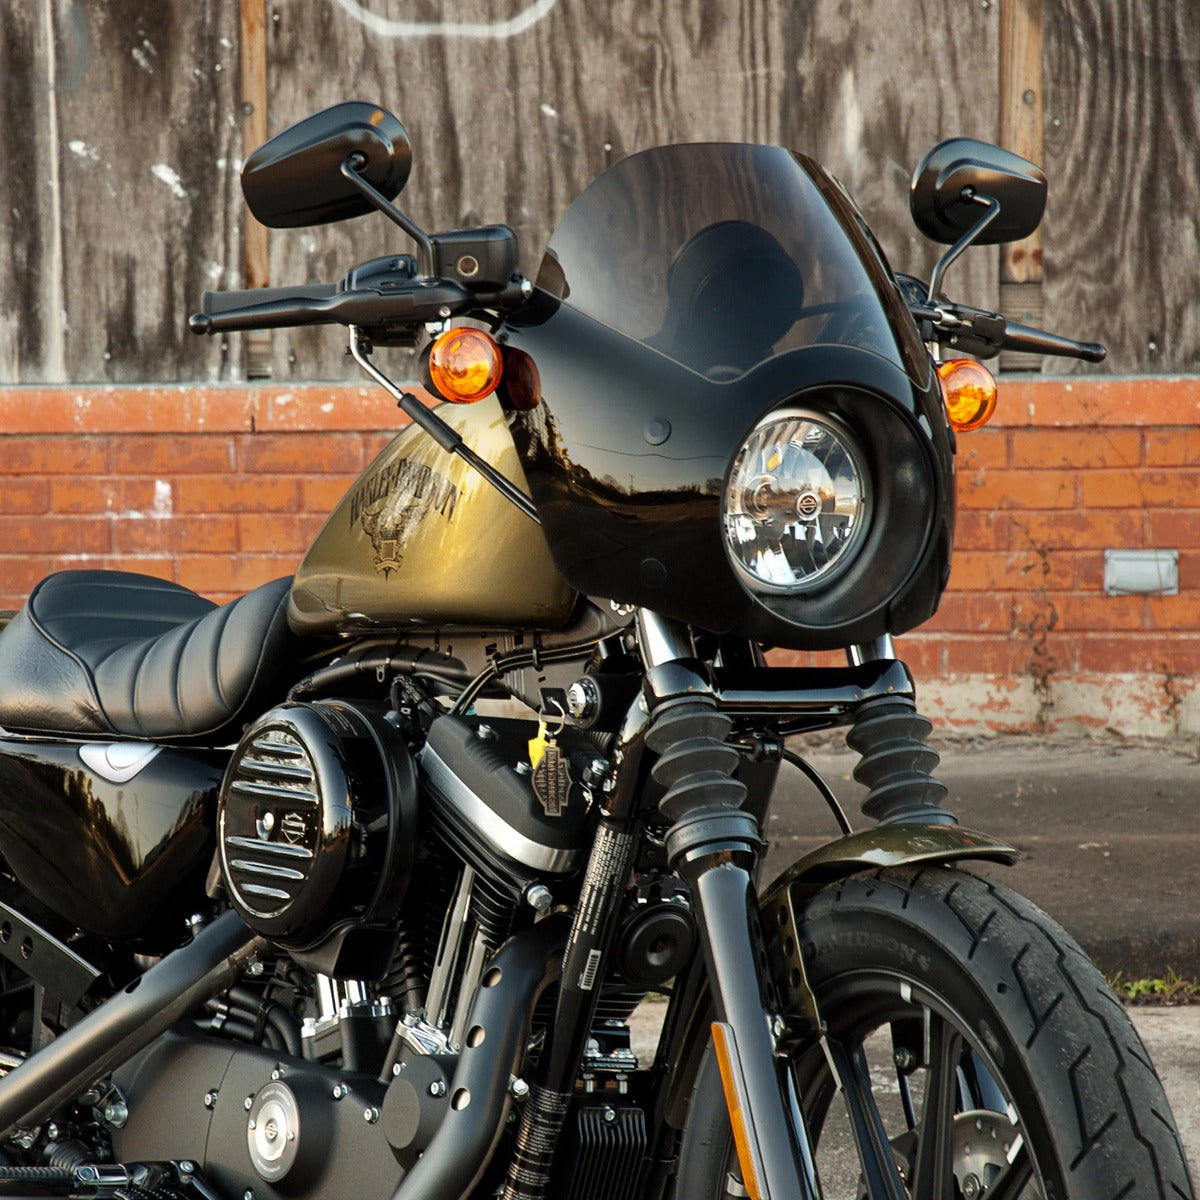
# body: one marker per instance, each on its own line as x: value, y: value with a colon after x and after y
x: 1041, y: 341
x: 986, y: 334
x: 383, y: 296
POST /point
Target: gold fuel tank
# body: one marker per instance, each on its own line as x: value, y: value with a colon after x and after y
x: 422, y: 540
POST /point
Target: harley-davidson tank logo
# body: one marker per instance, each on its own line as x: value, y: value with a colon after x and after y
x: 393, y: 503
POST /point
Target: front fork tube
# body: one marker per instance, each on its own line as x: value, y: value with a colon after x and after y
x: 773, y: 1132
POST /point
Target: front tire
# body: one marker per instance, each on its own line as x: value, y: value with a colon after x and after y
x: 997, y: 1056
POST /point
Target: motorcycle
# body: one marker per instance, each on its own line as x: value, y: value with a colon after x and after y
x: 354, y: 883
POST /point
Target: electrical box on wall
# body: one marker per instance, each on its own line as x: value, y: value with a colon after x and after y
x: 1141, y: 572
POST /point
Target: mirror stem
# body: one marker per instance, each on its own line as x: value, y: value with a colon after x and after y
x: 970, y: 196
x: 351, y: 165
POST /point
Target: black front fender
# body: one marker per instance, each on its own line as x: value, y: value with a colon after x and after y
x: 781, y: 907
x: 782, y: 904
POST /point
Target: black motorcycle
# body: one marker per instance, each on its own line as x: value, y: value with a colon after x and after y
x: 297, y: 903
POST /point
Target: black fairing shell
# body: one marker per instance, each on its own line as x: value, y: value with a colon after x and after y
x: 628, y: 453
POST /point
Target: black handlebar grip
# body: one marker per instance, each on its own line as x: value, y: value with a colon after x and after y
x: 1041, y: 341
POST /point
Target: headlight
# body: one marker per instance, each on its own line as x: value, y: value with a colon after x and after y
x: 797, y: 503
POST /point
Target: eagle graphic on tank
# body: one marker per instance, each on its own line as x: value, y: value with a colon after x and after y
x: 393, y: 503
x: 421, y: 541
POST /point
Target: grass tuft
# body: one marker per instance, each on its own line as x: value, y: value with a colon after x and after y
x: 1172, y: 988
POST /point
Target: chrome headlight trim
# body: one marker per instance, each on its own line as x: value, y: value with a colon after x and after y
x: 797, y: 502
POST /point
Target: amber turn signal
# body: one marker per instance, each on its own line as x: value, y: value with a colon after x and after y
x: 969, y: 391
x: 464, y: 365
x: 735, y: 1102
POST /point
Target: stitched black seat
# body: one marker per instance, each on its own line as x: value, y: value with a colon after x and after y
x: 112, y: 654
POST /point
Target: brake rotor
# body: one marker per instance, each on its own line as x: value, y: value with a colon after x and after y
x: 983, y: 1143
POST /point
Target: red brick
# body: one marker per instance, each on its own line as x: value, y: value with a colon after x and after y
x: 20, y: 574
x: 98, y: 494
x: 300, y: 453
x: 1092, y: 612
x: 1098, y: 401
x: 323, y: 493
x: 972, y: 612
x: 1090, y: 529
x: 172, y: 454
x: 1174, y: 530
x: 1171, y: 447
x: 1189, y: 571
x: 54, y: 535
x: 24, y: 495
x: 1139, y: 489
x: 983, y: 655
x: 53, y: 455
x: 981, y: 531
x: 1137, y: 653
x: 983, y: 448
x: 993, y: 489
x: 374, y: 444
x: 223, y: 493
x: 923, y: 655
x: 1077, y: 448
x: 209, y: 574
x: 274, y: 533
x: 175, y: 534
x: 978, y: 570
x: 1181, y: 612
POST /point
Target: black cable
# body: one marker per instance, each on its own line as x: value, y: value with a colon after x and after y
x: 814, y: 777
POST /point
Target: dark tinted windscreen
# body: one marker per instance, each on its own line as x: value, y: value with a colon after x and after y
x: 722, y: 255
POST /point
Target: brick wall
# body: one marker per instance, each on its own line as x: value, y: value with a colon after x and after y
x: 222, y: 488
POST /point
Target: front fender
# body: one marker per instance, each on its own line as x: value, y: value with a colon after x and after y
x: 884, y: 846
x: 781, y: 907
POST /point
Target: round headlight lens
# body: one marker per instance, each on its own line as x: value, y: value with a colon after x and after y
x: 796, y: 504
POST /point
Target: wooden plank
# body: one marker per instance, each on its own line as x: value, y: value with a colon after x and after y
x: 146, y: 149
x: 31, y: 268
x: 510, y: 126
x: 252, y: 54
x: 1021, y: 117
x: 1021, y: 295
x: 1122, y: 140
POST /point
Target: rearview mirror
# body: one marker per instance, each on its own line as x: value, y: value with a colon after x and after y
x: 296, y: 178
x: 965, y: 165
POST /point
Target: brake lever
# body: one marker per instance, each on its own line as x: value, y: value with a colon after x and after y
x: 985, y: 334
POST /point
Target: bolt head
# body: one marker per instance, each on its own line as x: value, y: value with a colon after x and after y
x: 276, y: 1074
x: 610, y: 1116
x: 248, y: 1194
x: 187, y: 1167
x: 254, y: 967
x: 519, y: 1089
x: 370, y: 1115
x: 210, y: 1100
x: 437, y: 1088
x: 248, y: 1103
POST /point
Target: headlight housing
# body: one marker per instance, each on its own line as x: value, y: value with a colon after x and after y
x: 797, y: 503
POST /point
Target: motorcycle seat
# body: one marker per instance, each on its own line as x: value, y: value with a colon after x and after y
x: 117, y: 655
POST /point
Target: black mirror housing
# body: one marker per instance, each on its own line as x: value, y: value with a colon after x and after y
x: 954, y: 166
x: 296, y: 178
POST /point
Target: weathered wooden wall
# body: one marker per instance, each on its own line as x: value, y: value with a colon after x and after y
x: 122, y: 131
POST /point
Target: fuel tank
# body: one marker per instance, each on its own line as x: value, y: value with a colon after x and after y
x: 423, y: 540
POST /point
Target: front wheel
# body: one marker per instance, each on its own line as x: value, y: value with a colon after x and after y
x: 979, y: 1041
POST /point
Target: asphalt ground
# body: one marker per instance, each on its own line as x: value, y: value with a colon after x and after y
x: 1109, y: 834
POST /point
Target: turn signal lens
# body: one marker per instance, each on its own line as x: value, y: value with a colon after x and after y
x: 735, y: 1101
x: 969, y: 391
x: 464, y: 365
